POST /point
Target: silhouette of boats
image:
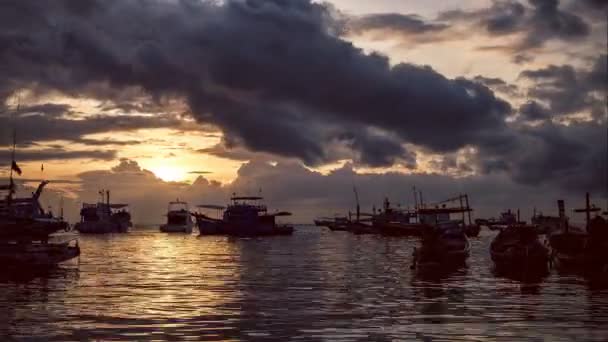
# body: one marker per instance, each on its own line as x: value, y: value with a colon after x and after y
x: 245, y: 216
x: 444, y: 245
x: 28, y: 235
x: 104, y: 217
x: 506, y: 219
x: 339, y: 223
x: 396, y: 222
x: 578, y: 248
x: 179, y: 218
x: 517, y: 247
x: 323, y: 221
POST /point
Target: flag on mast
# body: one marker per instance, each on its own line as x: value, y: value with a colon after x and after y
x: 16, y: 168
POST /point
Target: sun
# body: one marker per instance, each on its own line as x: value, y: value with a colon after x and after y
x: 169, y: 173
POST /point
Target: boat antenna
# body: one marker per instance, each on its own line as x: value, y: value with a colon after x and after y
x: 14, y: 167
x: 357, y: 200
x: 415, y: 198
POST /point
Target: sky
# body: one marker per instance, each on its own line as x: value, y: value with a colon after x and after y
x: 303, y: 100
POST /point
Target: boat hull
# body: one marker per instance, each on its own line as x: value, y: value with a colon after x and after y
x: 177, y: 228
x: 401, y: 229
x: 34, y: 229
x: 207, y: 227
x: 102, y: 227
x: 37, y: 254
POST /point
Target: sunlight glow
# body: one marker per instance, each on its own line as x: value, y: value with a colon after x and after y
x: 169, y: 173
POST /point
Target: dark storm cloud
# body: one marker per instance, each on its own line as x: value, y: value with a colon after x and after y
x: 534, y: 111
x: 268, y: 73
x: 47, y: 123
x: 569, y: 90
x: 540, y: 22
x: 569, y: 156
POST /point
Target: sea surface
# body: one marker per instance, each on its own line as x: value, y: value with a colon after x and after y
x: 316, y: 285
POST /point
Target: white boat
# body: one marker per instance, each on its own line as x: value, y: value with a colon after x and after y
x: 179, y: 218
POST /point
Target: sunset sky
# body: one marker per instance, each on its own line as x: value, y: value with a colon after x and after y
x: 197, y: 99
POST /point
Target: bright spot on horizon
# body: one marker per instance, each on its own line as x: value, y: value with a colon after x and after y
x: 169, y: 173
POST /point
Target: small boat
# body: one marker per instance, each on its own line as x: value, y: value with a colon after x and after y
x: 444, y: 245
x: 518, y: 247
x: 245, y: 216
x: 506, y: 219
x: 179, y: 218
x: 104, y: 217
x: 394, y: 222
x: 323, y: 221
x: 340, y: 223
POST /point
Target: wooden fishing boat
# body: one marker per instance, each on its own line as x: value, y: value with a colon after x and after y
x: 577, y: 248
x: 245, y: 216
x: 443, y: 245
x: 518, y: 247
x: 104, y: 217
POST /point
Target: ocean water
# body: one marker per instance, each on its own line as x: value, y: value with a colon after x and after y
x: 316, y: 285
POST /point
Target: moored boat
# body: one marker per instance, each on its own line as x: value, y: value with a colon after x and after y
x: 518, y: 247
x: 581, y: 249
x: 27, y: 231
x: 179, y: 218
x: 443, y: 245
x: 245, y: 216
x: 104, y: 217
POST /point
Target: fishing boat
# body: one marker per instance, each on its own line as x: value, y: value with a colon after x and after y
x: 104, y: 217
x: 339, y: 223
x: 27, y: 231
x: 323, y: 221
x: 396, y: 222
x: 578, y: 248
x: 444, y: 245
x: 179, y: 218
x: 518, y: 247
x: 244, y: 216
x: 360, y: 226
x: 507, y: 218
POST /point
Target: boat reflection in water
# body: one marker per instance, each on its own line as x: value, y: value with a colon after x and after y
x: 245, y: 216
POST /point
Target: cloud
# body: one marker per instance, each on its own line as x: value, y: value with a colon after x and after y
x: 535, y: 25
x: 50, y: 122
x: 568, y: 90
x: 289, y: 76
x: 532, y: 110
x: 57, y: 154
x: 408, y: 27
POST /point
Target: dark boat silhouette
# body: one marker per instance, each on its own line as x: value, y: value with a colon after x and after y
x: 28, y: 235
x: 580, y: 248
x: 104, y: 217
x: 443, y: 245
x: 245, y: 216
x: 518, y: 247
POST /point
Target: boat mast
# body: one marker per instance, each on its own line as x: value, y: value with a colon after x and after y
x: 357, y: 199
x: 466, y: 199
